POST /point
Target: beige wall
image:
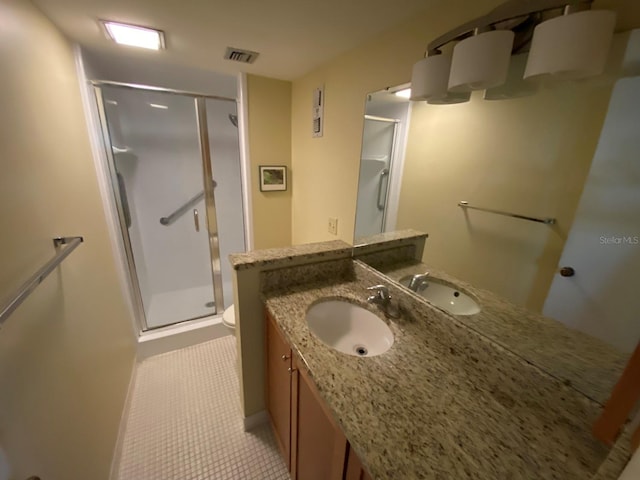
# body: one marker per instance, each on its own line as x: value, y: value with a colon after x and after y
x: 269, y: 108
x: 327, y: 168
x: 67, y: 353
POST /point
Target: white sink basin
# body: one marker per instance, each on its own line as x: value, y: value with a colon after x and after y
x: 447, y: 298
x: 349, y: 328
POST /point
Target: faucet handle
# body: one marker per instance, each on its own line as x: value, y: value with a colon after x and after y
x: 382, y: 291
x: 417, y: 281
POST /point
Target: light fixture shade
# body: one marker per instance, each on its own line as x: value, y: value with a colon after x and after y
x: 430, y: 80
x: 572, y: 46
x: 515, y: 86
x: 481, y: 61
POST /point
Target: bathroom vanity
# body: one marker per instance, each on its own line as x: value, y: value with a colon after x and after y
x: 444, y: 401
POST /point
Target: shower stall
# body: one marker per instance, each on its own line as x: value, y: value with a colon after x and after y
x: 175, y: 171
x: 376, y: 162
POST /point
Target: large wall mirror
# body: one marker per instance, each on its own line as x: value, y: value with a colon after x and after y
x: 567, y: 151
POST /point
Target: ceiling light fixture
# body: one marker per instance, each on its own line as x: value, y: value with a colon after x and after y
x: 157, y: 105
x: 573, y: 44
x: 134, y: 36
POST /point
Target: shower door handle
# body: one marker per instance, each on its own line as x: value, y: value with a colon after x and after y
x: 196, y: 219
x: 382, y: 202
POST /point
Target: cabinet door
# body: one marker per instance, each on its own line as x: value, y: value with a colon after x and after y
x: 320, y: 447
x: 279, y: 387
x: 355, y: 470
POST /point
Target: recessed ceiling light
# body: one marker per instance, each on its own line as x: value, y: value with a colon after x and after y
x: 134, y: 35
x: 406, y: 93
x: 157, y: 105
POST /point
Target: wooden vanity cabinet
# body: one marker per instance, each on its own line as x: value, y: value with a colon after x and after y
x: 355, y: 470
x: 312, y: 443
x: 319, y: 447
x: 279, y: 368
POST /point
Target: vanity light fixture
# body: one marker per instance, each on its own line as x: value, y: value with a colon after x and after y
x: 404, y: 93
x: 134, y: 36
x: 430, y: 80
x: 574, y: 43
x: 481, y: 61
x: 573, y: 46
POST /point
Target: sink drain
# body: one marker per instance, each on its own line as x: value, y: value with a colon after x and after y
x: 210, y: 304
x: 361, y: 350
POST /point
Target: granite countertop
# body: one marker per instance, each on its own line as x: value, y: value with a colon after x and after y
x: 588, y: 364
x: 444, y: 402
x: 282, y: 256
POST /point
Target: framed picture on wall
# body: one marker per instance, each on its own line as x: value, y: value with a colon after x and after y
x: 273, y: 178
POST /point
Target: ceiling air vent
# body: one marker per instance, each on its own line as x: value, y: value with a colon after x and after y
x: 239, y: 55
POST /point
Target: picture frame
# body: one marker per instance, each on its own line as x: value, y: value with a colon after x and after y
x: 273, y: 178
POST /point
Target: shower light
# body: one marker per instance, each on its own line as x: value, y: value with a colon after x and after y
x: 134, y: 35
x: 157, y: 105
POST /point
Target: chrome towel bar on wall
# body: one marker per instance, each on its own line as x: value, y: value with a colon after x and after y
x: 546, y: 220
x: 69, y: 243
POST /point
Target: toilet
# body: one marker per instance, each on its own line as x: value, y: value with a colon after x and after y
x: 229, y: 318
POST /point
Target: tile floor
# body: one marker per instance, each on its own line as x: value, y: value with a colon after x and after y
x: 185, y: 421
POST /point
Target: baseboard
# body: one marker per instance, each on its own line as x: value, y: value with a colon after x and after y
x: 255, y: 420
x: 180, y: 336
x: 117, y: 452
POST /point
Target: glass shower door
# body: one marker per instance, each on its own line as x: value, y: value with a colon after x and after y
x: 158, y: 170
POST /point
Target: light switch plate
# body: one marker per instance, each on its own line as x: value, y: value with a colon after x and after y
x: 333, y: 225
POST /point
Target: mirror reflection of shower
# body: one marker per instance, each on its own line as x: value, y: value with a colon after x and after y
x: 383, y: 144
x: 179, y: 275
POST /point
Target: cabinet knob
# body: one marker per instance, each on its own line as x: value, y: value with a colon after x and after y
x: 285, y: 357
x: 291, y: 370
x: 567, y: 272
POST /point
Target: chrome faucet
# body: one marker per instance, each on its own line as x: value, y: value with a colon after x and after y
x: 382, y: 297
x: 418, y: 281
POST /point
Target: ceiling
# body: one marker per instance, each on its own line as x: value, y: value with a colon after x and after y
x: 292, y: 36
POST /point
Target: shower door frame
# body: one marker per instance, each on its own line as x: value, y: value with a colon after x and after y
x: 207, y: 170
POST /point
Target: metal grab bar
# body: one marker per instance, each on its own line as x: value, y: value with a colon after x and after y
x: 381, y: 204
x: 29, y: 286
x: 546, y: 220
x: 168, y: 220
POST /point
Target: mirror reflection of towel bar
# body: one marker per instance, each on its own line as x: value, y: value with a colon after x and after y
x: 546, y: 221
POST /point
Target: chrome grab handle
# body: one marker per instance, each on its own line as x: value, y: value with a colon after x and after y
x: 196, y: 219
x: 124, y: 201
x: 381, y: 204
x: 168, y: 220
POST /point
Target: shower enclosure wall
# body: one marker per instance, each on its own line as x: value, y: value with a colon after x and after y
x: 174, y: 163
